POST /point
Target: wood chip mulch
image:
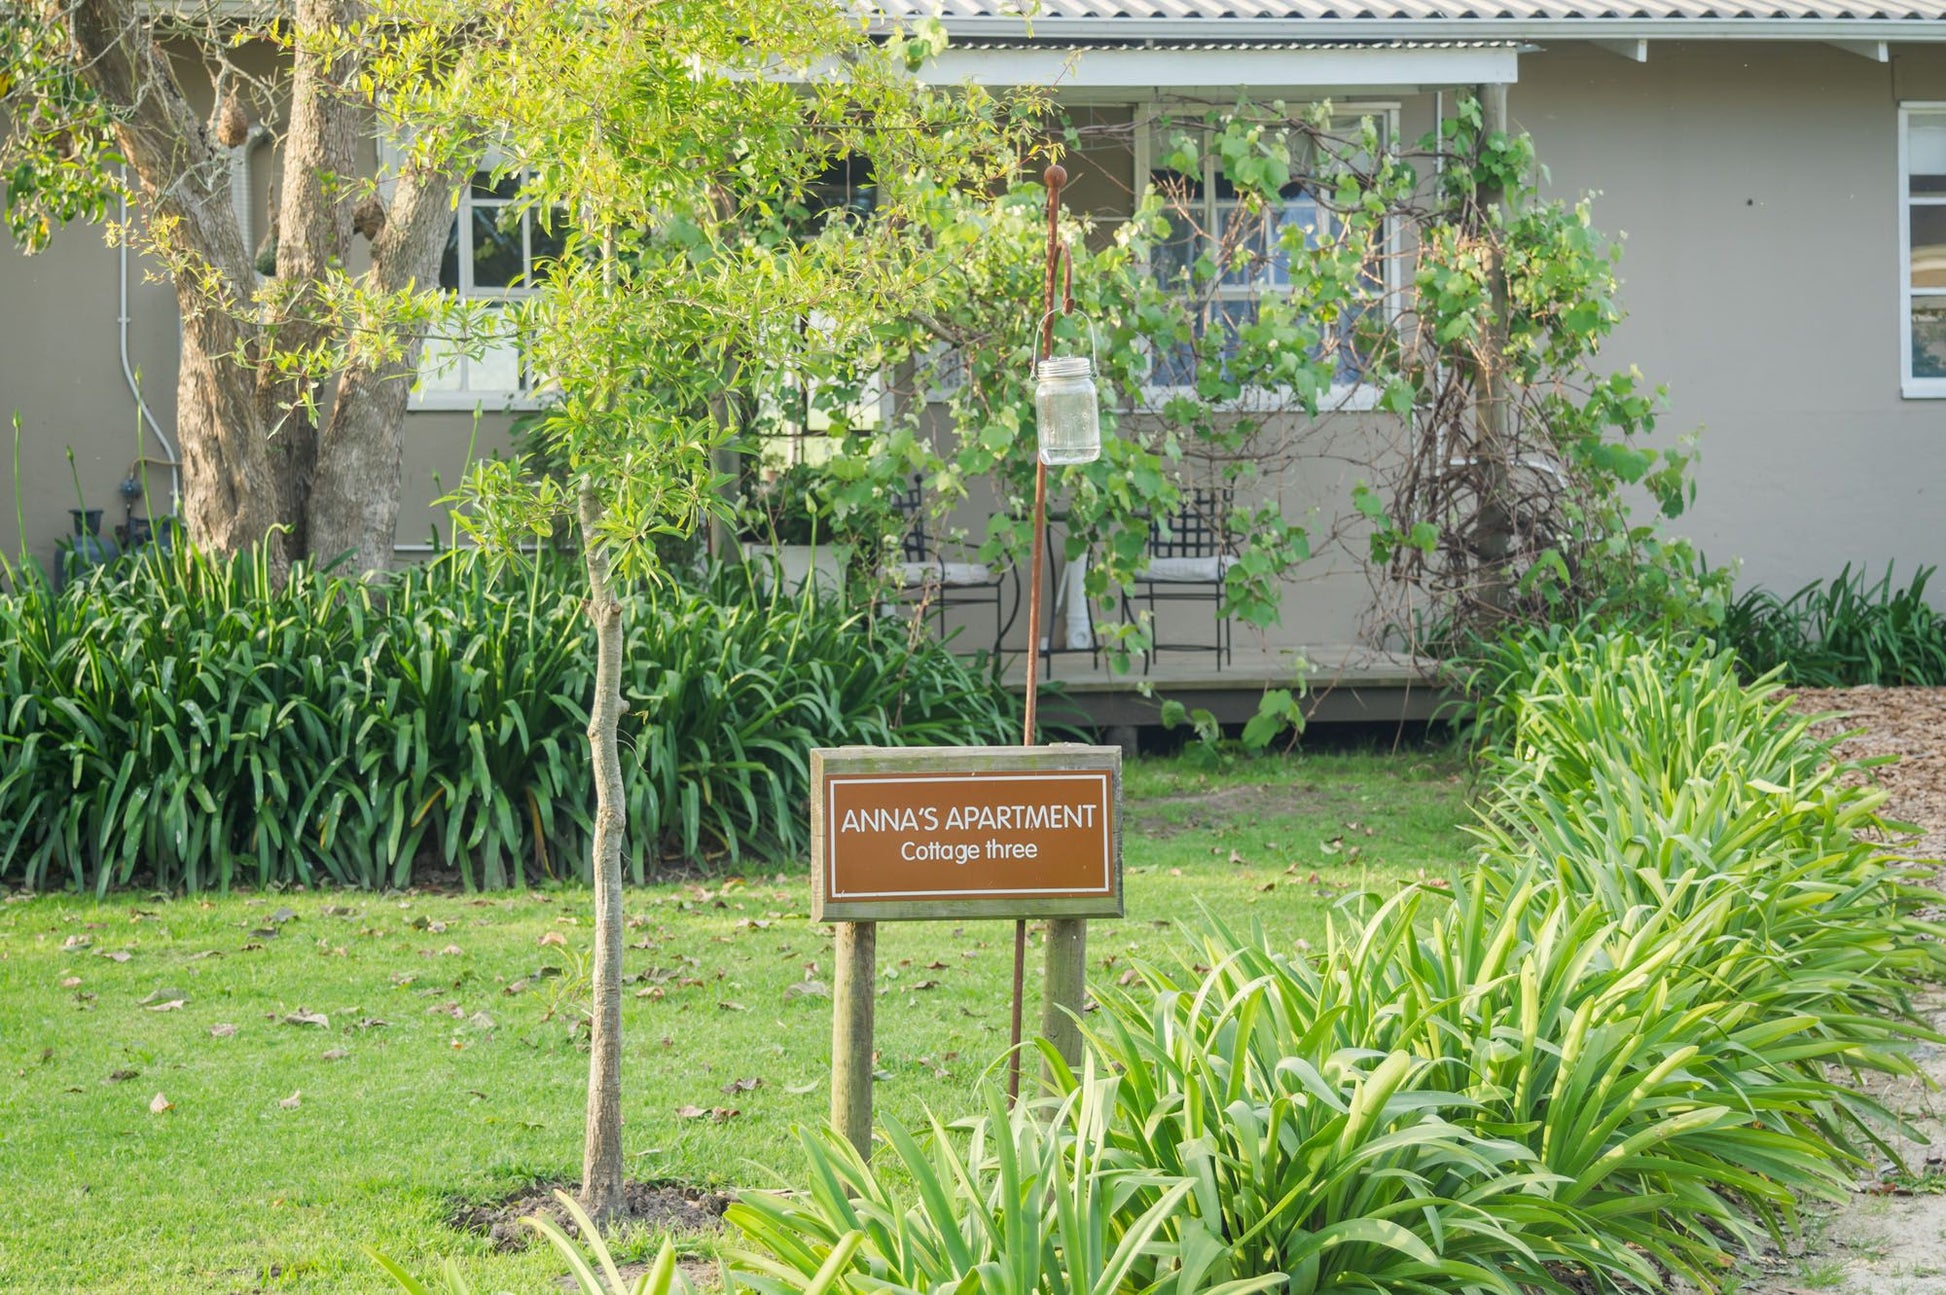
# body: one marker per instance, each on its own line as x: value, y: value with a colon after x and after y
x: 1909, y: 723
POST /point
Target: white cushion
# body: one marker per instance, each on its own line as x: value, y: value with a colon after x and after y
x: 952, y: 575
x: 1207, y: 570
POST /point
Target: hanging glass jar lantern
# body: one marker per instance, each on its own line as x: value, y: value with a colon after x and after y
x: 1066, y: 410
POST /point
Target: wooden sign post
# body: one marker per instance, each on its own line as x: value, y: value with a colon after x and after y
x: 951, y: 833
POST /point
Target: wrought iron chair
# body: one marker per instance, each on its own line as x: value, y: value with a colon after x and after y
x: 1189, y: 557
x: 926, y: 579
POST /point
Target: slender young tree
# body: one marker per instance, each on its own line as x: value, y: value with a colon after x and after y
x: 291, y: 391
x: 677, y: 148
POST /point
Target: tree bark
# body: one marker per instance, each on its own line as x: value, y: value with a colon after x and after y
x: 1494, y: 440
x: 314, y: 218
x: 229, y: 490
x: 253, y: 455
x: 602, y: 1171
x: 354, y: 502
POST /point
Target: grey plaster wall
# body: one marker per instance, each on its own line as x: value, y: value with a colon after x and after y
x: 1758, y: 189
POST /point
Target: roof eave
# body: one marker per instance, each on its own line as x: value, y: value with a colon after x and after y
x: 1083, y: 30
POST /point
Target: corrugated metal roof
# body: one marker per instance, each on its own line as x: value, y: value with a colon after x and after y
x: 1108, y: 12
x: 1064, y: 44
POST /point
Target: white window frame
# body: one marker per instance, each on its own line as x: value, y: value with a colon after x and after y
x: 529, y: 394
x: 1349, y: 397
x: 1910, y: 386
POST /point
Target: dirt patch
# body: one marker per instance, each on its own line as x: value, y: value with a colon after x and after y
x: 1909, y: 723
x: 1889, y: 1236
x: 1166, y: 816
x: 664, y: 1207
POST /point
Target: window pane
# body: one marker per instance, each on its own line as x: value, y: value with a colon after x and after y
x: 1929, y: 247
x: 1299, y: 210
x: 1229, y: 315
x: 449, y: 259
x: 485, y: 186
x: 497, y: 369
x: 1177, y: 253
x: 496, y: 251
x: 1925, y: 152
x: 1241, y: 243
x: 546, y: 245
x: 440, y: 368
x: 1929, y: 337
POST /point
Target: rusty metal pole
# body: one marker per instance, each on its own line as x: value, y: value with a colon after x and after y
x: 1055, y: 176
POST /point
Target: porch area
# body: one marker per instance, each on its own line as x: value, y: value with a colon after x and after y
x: 1344, y: 683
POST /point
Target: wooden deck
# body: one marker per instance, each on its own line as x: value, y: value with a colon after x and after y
x: 1344, y: 683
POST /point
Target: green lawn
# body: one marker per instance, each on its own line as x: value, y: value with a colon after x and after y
x: 448, y: 1069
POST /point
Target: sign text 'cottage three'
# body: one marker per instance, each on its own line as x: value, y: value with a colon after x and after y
x: 966, y: 832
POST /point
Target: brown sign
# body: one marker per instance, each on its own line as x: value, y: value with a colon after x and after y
x: 945, y: 832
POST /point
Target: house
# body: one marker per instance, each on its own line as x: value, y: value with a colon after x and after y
x: 1778, y: 169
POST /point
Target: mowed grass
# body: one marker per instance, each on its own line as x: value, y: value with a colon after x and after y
x: 449, y: 1069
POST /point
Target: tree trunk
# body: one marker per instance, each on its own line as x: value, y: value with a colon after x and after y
x: 1494, y: 440
x: 602, y: 1171
x: 314, y: 217
x: 253, y: 456
x: 229, y: 491
x: 354, y: 502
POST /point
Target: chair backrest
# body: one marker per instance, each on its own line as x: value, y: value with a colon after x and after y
x: 1196, y: 529
x: 914, y: 545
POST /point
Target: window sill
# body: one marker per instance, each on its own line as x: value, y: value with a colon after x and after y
x: 1923, y: 389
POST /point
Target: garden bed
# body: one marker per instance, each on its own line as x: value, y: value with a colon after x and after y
x: 1909, y: 723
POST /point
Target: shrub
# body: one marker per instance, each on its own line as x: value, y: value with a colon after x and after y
x: 191, y: 723
x: 1841, y: 634
x: 1008, y: 1203
x: 1610, y: 1049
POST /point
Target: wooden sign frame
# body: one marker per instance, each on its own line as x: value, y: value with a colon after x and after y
x: 914, y: 770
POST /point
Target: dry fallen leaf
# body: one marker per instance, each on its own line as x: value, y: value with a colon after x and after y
x: 222, y: 1031
x: 736, y: 1086
x: 927, y: 984
x: 159, y: 1104
x: 122, y: 1076
x: 115, y: 955
x: 302, y: 1017
x: 163, y: 996
x: 730, y: 1007
x: 806, y: 989
x: 553, y: 937
x: 798, y: 1090
x: 480, y: 1021
x: 71, y: 982
x: 690, y: 1112
x: 450, y: 951
x: 292, y: 1102
x: 336, y: 1054
x: 173, y: 1005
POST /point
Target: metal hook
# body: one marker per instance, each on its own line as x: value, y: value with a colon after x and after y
x: 1067, y: 308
